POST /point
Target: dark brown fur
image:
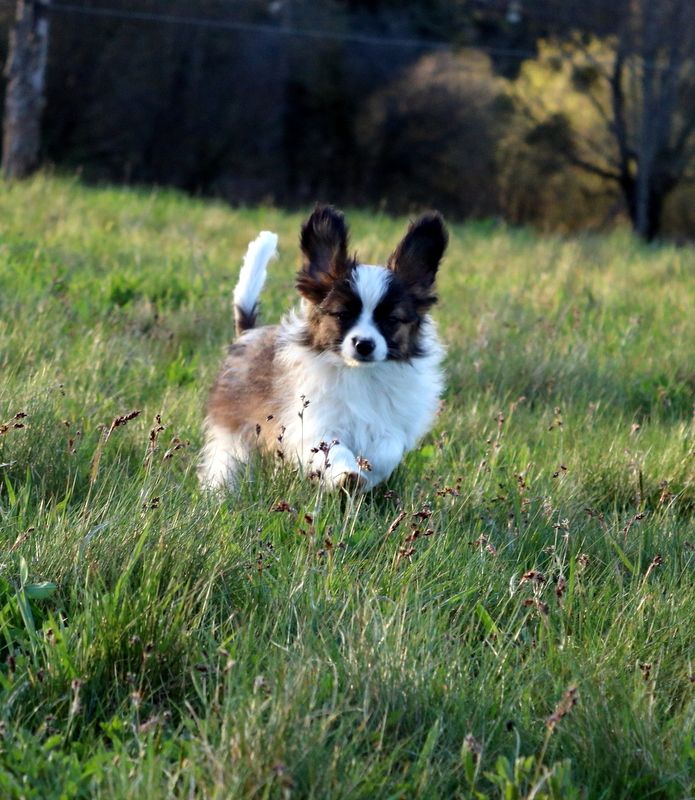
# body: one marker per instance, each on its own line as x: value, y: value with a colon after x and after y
x: 417, y: 257
x: 324, y: 280
x: 328, y: 322
x: 324, y: 244
x: 244, y: 321
x: 399, y: 317
x: 243, y: 395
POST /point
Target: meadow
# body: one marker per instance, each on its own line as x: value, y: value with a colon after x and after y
x: 511, y: 616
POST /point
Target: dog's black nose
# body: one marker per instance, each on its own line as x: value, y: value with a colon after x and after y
x: 364, y: 347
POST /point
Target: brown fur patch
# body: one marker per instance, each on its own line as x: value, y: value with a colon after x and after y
x: 403, y: 342
x: 398, y: 317
x: 242, y: 397
x: 244, y: 321
x: 329, y: 321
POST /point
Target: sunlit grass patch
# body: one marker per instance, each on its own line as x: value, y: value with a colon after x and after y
x: 418, y: 641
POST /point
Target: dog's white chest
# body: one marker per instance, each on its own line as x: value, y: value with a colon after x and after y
x: 373, y: 410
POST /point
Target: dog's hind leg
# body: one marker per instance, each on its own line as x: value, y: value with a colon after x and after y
x: 223, y: 458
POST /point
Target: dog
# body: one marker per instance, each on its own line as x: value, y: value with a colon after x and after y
x: 347, y: 383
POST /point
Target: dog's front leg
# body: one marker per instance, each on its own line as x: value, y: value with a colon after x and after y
x: 337, y: 465
x: 384, y: 456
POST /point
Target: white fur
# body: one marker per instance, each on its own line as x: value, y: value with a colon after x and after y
x: 224, y: 454
x: 253, y: 271
x: 371, y: 284
x: 375, y: 411
x: 378, y: 413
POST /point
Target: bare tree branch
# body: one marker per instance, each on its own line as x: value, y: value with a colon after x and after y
x: 594, y: 169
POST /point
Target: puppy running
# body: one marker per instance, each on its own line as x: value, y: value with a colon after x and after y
x: 348, y: 383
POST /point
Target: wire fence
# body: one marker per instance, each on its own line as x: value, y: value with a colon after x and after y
x: 280, y: 30
x: 317, y: 34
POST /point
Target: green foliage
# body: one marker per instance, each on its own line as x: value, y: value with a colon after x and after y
x: 432, y: 134
x: 155, y: 642
x: 122, y: 289
x: 562, y: 105
x: 519, y: 779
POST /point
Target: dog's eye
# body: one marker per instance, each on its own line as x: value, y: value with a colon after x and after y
x: 341, y: 315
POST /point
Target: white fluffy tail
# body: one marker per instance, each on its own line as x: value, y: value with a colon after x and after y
x: 251, y: 279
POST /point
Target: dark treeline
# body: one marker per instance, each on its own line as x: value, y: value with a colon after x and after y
x: 461, y: 105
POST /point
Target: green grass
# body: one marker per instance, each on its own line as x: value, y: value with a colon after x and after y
x: 155, y: 643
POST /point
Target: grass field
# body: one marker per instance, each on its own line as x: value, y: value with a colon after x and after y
x: 535, y: 639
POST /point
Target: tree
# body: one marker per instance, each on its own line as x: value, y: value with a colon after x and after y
x: 429, y: 136
x: 24, y: 97
x: 625, y: 103
x: 653, y: 106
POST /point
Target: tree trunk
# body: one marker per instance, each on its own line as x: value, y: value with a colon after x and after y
x: 653, y: 222
x: 24, y: 96
x: 645, y: 216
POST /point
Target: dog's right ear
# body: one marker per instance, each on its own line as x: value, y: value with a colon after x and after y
x: 324, y: 243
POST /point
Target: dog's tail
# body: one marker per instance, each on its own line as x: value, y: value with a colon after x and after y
x: 251, y: 280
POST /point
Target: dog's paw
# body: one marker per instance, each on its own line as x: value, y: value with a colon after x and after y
x: 351, y: 482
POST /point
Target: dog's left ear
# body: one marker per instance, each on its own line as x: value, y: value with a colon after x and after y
x: 324, y: 243
x: 417, y: 257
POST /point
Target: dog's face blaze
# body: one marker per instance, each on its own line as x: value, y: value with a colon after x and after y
x: 367, y: 314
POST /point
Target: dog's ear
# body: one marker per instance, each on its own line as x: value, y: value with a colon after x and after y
x: 324, y: 243
x: 417, y: 257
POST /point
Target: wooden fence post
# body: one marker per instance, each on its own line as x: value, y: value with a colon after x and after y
x: 24, y: 95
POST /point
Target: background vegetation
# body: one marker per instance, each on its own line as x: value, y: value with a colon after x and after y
x: 564, y: 115
x: 526, y: 628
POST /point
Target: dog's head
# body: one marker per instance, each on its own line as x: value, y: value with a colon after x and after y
x: 368, y: 314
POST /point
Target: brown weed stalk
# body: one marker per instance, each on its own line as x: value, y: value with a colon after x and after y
x: 117, y: 422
